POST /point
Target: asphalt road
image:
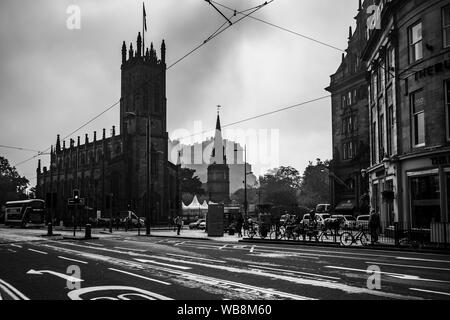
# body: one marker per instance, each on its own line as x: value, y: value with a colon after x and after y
x: 165, y: 268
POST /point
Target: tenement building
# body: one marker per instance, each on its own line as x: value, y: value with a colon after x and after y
x: 126, y: 171
x: 407, y: 58
x: 350, y: 123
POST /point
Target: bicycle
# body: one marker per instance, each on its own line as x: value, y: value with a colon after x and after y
x: 347, y: 238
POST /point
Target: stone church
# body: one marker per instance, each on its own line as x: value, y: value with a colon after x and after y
x: 111, y: 172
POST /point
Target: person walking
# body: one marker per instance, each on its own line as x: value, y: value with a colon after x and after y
x: 239, y: 223
x: 374, y: 226
x: 179, y: 225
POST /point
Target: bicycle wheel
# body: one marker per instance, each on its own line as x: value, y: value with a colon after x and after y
x: 364, y: 239
x: 347, y: 239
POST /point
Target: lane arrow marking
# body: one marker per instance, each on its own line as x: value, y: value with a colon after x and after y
x: 56, y: 274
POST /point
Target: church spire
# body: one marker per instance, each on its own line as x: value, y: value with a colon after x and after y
x: 218, y: 119
x: 218, y: 156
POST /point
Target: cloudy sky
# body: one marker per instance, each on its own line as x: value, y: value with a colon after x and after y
x: 53, y: 79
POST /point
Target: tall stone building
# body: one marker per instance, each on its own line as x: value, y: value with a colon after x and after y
x: 350, y: 124
x: 127, y: 171
x: 218, y: 170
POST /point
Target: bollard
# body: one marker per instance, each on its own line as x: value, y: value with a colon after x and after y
x: 49, y: 229
x: 87, y: 234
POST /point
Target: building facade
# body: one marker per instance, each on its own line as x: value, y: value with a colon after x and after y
x: 407, y: 59
x: 350, y: 125
x: 126, y: 171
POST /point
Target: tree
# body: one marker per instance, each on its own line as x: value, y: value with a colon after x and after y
x: 314, y: 188
x: 12, y: 185
x: 190, y: 184
x: 239, y: 195
x: 280, y: 186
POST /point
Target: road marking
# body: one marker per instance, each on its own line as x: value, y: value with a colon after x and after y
x: 139, y: 276
x: 429, y: 291
x: 57, y: 274
x: 179, y: 244
x: 252, y: 249
x: 418, y: 259
x: 130, y: 249
x: 16, y: 245
x: 391, y: 274
x: 15, y: 294
x: 79, y: 261
x: 41, y: 252
x: 223, y: 247
x: 76, y: 294
x: 163, y: 264
x: 94, y: 244
x: 192, y: 257
x: 296, y: 272
x: 408, y: 266
x: 11, y: 250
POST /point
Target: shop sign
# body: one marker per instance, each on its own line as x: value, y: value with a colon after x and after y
x: 441, y: 160
x: 432, y: 70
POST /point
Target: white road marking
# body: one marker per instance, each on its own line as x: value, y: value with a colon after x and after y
x: 252, y: 249
x: 76, y: 294
x: 74, y: 260
x: 197, y: 258
x: 391, y: 274
x: 179, y: 243
x: 139, y: 276
x: 223, y: 247
x: 130, y: 249
x: 16, y: 294
x: 11, y: 250
x: 163, y: 264
x: 16, y: 245
x: 41, y: 252
x: 418, y: 259
x: 408, y: 266
x: 429, y: 291
x: 296, y: 272
x: 94, y: 244
x: 57, y: 274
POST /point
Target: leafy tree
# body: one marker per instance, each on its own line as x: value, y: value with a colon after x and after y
x: 12, y: 185
x: 280, y: 186
x: 190, y: 185
x: 314, y: 188
x: 252, y: 196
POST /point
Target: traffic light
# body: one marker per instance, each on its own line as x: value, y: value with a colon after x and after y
x: 76, y: 195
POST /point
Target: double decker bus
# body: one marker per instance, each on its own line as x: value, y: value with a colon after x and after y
x: 25, y: 213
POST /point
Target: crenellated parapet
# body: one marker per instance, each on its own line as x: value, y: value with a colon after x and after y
x: 142, y: 55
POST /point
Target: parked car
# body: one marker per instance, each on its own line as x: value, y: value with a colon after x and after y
x: 362, y: 221
x: 196, y: 224
x: 320, y: 218
x: 323, y: 208
x: 347, y: 221
x: 202, y: 225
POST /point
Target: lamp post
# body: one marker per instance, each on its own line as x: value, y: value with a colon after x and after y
x: 147, y: 197
x: 245, y: 180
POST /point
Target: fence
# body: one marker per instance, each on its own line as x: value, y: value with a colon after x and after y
x: 396, y: 234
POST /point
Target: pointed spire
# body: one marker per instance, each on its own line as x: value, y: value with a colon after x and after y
x: 360, y: 6
x: 95, y: 136
x: 104, y: 134
x: 124, y: 52
x: 39, y: 166
x: 58, y: 143
x: 64, y: 145
x: 86, y: 139
x: 218, y: 119
x: 139, y: 45
x: 78, y: 141
x: 218, y: 156
x: 350, y: 33
x: 163, y: 52
x: 131, y: 52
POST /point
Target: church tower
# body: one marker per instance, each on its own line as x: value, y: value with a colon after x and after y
x: 143, y: 101
x: 218, y: 170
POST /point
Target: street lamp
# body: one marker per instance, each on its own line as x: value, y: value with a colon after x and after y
x: 147, y: 136
x: 245, y: 180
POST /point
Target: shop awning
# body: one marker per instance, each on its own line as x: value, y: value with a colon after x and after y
x: 346, y: 205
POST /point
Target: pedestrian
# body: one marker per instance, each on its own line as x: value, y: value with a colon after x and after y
x: 374, y: 226
x: 239, y: 223
x: 175, y: 220
x: 179, y: 225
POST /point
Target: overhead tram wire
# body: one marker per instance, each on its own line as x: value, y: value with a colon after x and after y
x: 282, y: 28
x: 18, y: 148
x: 70, y: 134
x: 258, y: 116
x: 215, y: 34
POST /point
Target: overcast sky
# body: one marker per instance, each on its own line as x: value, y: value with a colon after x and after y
x: 53, y: 80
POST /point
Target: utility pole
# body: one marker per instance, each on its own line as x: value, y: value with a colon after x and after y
x: 245, y: 182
